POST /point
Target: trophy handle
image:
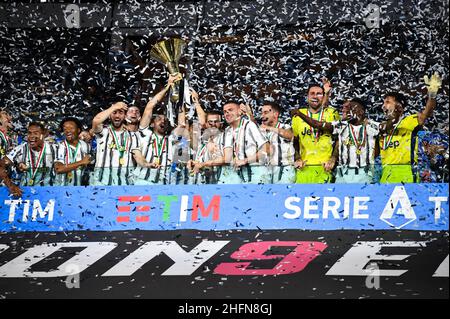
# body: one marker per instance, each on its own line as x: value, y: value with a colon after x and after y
x: 173, y: 69
x: 175, y: 94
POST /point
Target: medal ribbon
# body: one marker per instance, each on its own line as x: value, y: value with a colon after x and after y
x: 387, y: 141
x: 313, y: 131
x: 34, y: 167
x: 236, y: 141
x: 71, y: 156
x: 201, y: 152
x: 4, y: 138
x: 159, y: 146
x: 359, y: 142
x: 122, y: 148
x: 270, y: 134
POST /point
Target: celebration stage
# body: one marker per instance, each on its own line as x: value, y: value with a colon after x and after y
x: 229, y: 241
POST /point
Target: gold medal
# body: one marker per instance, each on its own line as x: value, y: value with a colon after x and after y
x: 70, y: 175
x: 122, y: 161
x: 156, y: 160
x: 30, y: 182
x: 347, y: 141
x: 358, y: 151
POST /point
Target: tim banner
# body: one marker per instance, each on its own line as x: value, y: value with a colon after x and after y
x: 227, y: 207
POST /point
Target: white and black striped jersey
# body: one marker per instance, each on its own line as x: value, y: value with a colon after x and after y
x: 6, y: 144
x: 281, y: 150
x: 356, y: 143
x: 245, y: 140
x: 156, y: 149
x: 68, y: 154
x: 114, y: 162
x: 210, y: 150
x: 179, y: 173
x: 40, y: 170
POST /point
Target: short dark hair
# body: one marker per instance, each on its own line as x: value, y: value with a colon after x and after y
x: 70, y: 119
x: 359, y: 101
x: 399, y: 97
x: 136, y: 106
x: 159, y: 111
x: 38, y: 124
x: 313, y: 85
x: 231, y: 102
x: 213, y: 112
x: 275, y: 106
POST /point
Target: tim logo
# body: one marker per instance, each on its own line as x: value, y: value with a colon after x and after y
x: 137, y: 208
x: 141, y: 210
x: 23, y: 207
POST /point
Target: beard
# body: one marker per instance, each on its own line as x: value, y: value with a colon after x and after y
x: 117, y: 124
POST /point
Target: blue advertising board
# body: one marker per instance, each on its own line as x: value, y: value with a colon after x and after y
x: 226, y: 207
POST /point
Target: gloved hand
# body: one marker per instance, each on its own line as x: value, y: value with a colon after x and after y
x: 433, y: 84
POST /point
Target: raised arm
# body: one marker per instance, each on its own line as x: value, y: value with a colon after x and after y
x: 148, y: 112
x: 198, y: 108
x: 326, y: 91
x: 287, y: 134
x: 61, y: 168
x: 433, y: 85
x: 97, y: 122
x: 247, y: 110
x: 323, y: 126
x: 141, y: 161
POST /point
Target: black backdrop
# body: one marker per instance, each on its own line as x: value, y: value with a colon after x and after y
x: 250, y: 50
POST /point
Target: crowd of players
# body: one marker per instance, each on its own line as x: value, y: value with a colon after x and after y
x: 125, y: 147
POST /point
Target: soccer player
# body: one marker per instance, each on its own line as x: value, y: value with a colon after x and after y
x: 282, y: 150
x: 314, y: 157
x: 133, y: 118
x: 156, y: 143
x: 156, y: 148
x: 209, y: 150
x: 73, y: 155
x: 357, y: 138
x: 115, y: 158
x: 210, y: 146
x: 245, y: 148
x: 397, y: 149
x: 34, y: 158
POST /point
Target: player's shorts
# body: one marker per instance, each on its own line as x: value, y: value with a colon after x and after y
x: 110, y: 176
x: 354, y: 175
x: 283, y: 174
x: 313, y: 174
x: 152, y: 176
x: 245, y: 175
